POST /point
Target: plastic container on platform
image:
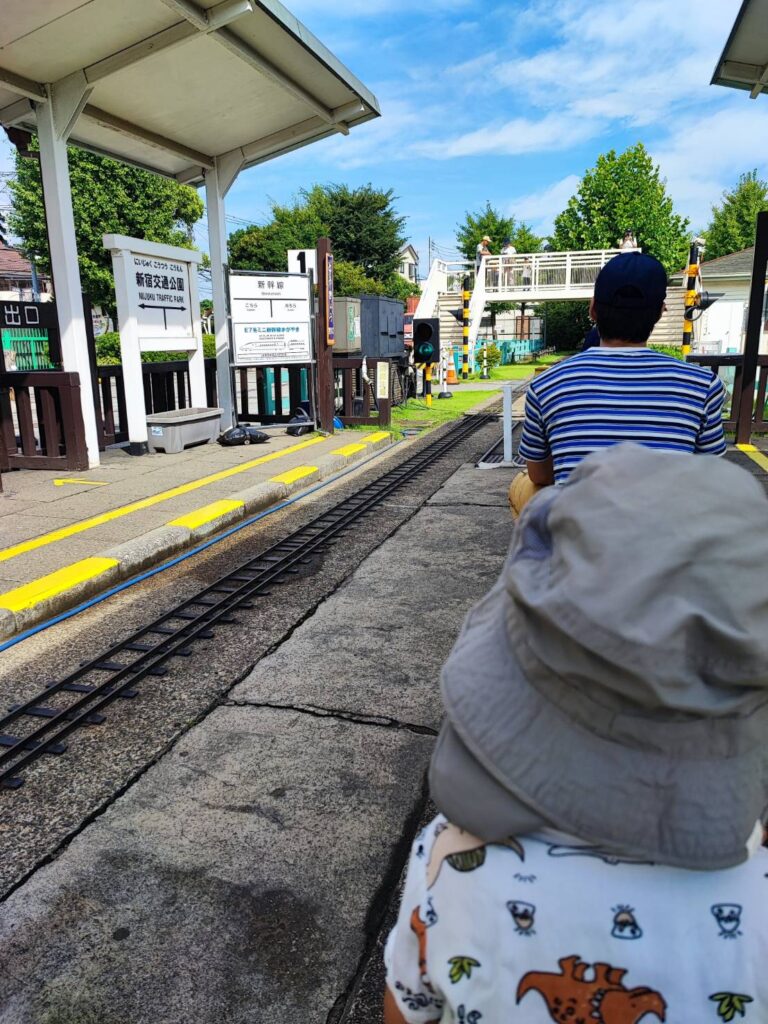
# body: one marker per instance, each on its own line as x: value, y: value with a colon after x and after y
x: 172, y: 432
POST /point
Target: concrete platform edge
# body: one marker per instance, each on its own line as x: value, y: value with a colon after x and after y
x: 156, y: 546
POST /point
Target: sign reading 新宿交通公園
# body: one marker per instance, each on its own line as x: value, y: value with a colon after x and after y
x: 271, y: 319
x: 162, y: 298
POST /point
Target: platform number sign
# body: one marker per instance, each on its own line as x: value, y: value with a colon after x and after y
x: 302, y: 261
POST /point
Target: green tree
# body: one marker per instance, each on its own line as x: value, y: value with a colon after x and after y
x: 497, y: 227
x: 489, y: 221
x: 567, y: 323
x: 362, y: 223
x: 107, y: 198
x: 624, y: 192
x: 733, y: 221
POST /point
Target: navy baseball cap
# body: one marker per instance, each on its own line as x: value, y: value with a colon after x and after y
x: 631, y: 280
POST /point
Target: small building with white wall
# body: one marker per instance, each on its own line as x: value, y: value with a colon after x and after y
x: 408, y: 267
x: 722, y: 327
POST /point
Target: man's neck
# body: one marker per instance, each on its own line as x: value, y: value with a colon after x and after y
x: 615, y: 343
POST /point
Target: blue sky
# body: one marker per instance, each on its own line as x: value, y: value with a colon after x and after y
x: 511, y: 102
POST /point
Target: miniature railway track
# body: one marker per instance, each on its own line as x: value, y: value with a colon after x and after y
x: 80, y: 697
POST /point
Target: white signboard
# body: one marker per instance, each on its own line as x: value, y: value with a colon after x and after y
x: 301, y: 261
x: 382, y: 379
x: 157, y: 309
x: 162, y: 298
x: 271, y: 319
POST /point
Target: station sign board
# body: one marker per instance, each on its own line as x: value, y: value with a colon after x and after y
x: 15, y: 314
x: 271, y: 317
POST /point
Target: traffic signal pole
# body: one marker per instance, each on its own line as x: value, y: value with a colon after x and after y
x: 465, y: 295
x: 691, y: 298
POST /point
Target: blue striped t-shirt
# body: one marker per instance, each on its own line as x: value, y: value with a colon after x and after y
x: 607, y: 395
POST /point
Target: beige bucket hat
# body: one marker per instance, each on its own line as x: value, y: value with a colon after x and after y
x: 614, y: 682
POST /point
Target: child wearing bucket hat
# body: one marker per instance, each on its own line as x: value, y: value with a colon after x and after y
x: 602, y: 771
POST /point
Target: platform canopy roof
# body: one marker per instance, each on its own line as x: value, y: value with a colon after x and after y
x: 744, y: 61
x: 170, y: 85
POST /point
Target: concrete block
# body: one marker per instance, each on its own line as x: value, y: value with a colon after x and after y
x: 298, y: 478
x: 66, y: 597
x: 261, y: 496
x: 150, y: 549
x: 223, y: 514
x: 330, y: 464
x: 7, y: 624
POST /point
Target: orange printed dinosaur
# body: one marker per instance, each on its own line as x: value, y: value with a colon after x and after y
x: 572, y: 999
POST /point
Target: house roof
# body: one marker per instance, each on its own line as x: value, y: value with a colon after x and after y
x: 408, y: 250
x: 176, y: 86
x: 735, y: 264
x: 743, y: 63
x: 13, y: 265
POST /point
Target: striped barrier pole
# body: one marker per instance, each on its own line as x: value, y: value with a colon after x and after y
x: 484, y: 374
x: 465, y: 296
x: 691, y: 298
x: 428, y: 384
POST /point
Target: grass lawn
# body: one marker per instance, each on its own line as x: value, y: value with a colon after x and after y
x: 520, y: 371
x: 415, y: 410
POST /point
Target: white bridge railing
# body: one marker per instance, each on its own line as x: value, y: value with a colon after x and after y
x: 540, y: 275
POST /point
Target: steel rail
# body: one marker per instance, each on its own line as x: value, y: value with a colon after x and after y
x: 194, y: 618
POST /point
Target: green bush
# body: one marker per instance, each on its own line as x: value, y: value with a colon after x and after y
x: 669, y: 350
x: 108, y: 351
x: 493, y: 355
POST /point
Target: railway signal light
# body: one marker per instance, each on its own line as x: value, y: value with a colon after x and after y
x: 705, y: 300
x: 426, y: 340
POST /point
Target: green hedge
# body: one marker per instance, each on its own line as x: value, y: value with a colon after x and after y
x: 108, y: 350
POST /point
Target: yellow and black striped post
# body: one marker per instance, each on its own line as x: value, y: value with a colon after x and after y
x: 691, y: 298
x: 428, y: 385
x: 465, y: 296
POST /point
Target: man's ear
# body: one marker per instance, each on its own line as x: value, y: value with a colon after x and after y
x: 592, y: 310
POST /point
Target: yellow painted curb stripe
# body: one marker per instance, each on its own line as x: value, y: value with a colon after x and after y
x: 378, y: 436
x: 292, y: 475
x: 204, y: 515
x: 349, y: 449
x: 33, y: 593
x: 155, y: 499
x: 755, y: 454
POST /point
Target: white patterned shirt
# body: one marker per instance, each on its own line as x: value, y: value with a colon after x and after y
x: 542, y: 929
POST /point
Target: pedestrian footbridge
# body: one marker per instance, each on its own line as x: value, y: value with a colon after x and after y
x: 522, y: 278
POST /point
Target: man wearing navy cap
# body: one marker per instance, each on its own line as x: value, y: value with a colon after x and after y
x: 620, y: 390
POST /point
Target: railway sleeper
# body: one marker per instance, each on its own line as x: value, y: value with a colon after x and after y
x: 50, y: 748
x: 38, y: 711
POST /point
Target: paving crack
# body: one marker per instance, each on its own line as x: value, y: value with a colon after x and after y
x: 380, y: 721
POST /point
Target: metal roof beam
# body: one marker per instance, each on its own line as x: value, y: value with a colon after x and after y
x: 118, y: 124
x: 760, y: 84
x: 181, y: 32
x: 206, y: 21
x: 23, y: 86
x: 19, y: 112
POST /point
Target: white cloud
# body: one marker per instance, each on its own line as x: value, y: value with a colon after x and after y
x: 708, y: 153
x: 510, y: 138
x: 540, y: 208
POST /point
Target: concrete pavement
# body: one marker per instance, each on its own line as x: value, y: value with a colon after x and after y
x: 246, y: 876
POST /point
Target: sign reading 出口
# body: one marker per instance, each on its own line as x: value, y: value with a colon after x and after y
x: 271, y: 319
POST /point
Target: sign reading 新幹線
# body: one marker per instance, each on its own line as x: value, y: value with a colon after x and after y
x: 271, y: 319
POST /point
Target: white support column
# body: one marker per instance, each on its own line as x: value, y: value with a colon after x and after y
x: 66, y: 274
x: 217, y: 184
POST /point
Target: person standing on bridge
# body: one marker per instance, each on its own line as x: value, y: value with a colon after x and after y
x: 482, y: 250
x: 620, y: 390
x: 602, y: 771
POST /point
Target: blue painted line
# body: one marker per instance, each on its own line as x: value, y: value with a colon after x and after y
x: 188, y: 554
